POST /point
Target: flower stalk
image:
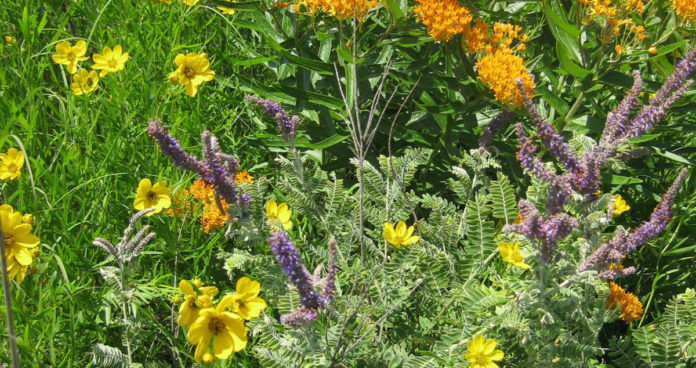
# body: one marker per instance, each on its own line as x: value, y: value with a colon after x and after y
x: 8, y: 303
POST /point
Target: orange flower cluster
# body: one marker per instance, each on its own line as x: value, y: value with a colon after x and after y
x: 617, y: 20
x: 631, y: 307
x: 442, y: 18
x: 480, y: 38
x: 685, y: 9
x: 204, y: 195
x: 341, y: 9
x: 243, y: 177
x: 499, y: 70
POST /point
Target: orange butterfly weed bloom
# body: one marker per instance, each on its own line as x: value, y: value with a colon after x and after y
x: 631, y: 307
x: 499, y: 71
x: 443, y: 18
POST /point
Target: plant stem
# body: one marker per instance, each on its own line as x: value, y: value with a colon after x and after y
x: 125, y: 314
x: 8, y: 303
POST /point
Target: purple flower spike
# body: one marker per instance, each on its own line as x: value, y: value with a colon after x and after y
x: 171, y: 148
x: 493, y: 127
x: 299, y: 317
x: 289, y: 259
x: 549, y: 136
x: 286, y: 124
x: 310, y: 302
x: 216, y: 168
x: 623, y: 243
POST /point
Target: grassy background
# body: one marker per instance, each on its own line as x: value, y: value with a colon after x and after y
x: 87, y: 154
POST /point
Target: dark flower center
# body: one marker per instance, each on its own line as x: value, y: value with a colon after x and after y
x: 216, y: 325
x: 151, y: 196
x: 9, y: 240
x: 189, y: 72
x: 12, y: 167
x: 70, y: 55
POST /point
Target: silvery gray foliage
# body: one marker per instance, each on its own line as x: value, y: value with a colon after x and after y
x: 124, y: 252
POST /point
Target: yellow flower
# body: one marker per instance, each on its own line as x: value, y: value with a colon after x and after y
x: 482, y: 354
x: 226, y: 330
x: 499, y: 70
x: 188, y: 310
x: 28, y: 219
x: 110, y: 61
x: 18, y: 242
x: 225, y: 10
x: 189, y: 2
x: 166, y: 1
x: 84, y: 82
x: 399, y: 236
x: 512, y: 255
x: 652, y: 50
x: 631, y: 307
x: 70, y: 55
x: 245, y: 301
x: 11, y: 164
x: 442, y: 18
x: 192, y: 70
x: 618, y: 205
x: 685, y: 9
x: 280, y: 213
x: 156, y: 196
x: 9, y: 40
x: 243, y: 177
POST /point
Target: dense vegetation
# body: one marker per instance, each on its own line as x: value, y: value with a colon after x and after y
x: 348, y: 183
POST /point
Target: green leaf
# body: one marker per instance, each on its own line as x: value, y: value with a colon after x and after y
x: 622, y: 180
x: 568, y: 64
x: 247, y: 5
x: 563, y: 32
x: 503, y: 198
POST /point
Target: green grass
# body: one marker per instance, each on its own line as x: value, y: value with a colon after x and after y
x: 87, y: 154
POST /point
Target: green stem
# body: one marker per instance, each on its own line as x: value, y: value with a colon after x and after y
x: 8, y: 303
x: 124, y: 309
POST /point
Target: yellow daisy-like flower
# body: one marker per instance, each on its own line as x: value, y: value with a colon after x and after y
x: 399, y: 236
x: 69, y: 55
x: 512, y: 255
x: 245, y: 301
x: 189, y: 2
x: 110, y: 61
x: 618, y: 205
x: 192, y: 70
x: 631, y: 307
x: 11, y: 164
x: 19, y: 242
x: 482, y: 354
x: 84, y: 82
x: 226, y: 330
x: 280, y: 213
x: 189, y: 308
x: 156, y: 196
x: 243, y: 177
x: 226, y: 10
